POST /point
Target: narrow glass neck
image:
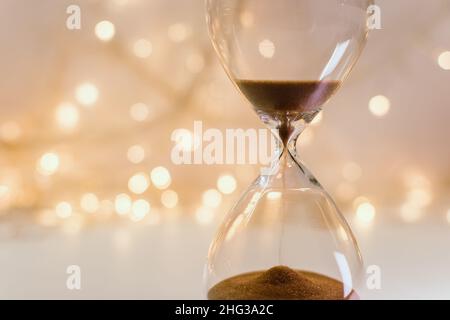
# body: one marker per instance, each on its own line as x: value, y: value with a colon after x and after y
x: 287, y: 134
x: 287, y: 163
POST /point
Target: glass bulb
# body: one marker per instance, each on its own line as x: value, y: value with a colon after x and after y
x: 285, y: 238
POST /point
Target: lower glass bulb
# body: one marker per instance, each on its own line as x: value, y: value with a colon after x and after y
x: 284, y: 239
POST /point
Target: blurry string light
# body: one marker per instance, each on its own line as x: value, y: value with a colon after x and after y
x: 89, y: 203
x: 86, y: 94
x: 204, y: 215
x: 48, y: 164
x: 122, y: 204
x: 178, y: 32
x: 105, y: 30
x: 211, y: 198
x: 267, y: 48
x: 169, y: 199
x: 136, y: 154
x: 161, y: 178
x: 139, y: 112
x: 11, y: 189
x: 4, y: 191
x: 142, y: 48
x: 139, y: 210
x: 444, y: 60
x: 379, y: 106
x: 63, y: 210
x: 410, y: 212
x: 448, y: 216
x: 5, y: 197
x: 418, y: 195
x: 414, y: 178
x: 139, y: 183
x: 106, y: 207
x: 67, y: 116
x: 365, y: 212
x: 412, y: 209
x: 73, y: 225
x: 226, y: 184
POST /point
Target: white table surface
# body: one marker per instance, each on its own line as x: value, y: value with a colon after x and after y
x: 166, y: 261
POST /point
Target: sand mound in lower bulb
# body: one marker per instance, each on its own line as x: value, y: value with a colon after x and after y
x: 278, y: 283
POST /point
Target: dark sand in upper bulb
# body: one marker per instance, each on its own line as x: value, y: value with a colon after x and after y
x: 288, y: 96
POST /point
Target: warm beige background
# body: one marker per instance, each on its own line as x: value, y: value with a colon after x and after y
x: 42, y: 63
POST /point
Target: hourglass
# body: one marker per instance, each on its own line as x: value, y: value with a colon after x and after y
x: 285, y: 238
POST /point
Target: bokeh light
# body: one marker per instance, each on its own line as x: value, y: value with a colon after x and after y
x: 444, y: 60
x: 143, y: 48
x: 226, y: 184
x: 379, y: 106
x: 105, y: 30
x: 136, y: 154
x: 365, y: 212
x: 67, y: 116
x: 140, y: 209
x: 410, y: 213
x: 139, y: 112
x: 122, y: 204
x: 88, y: 123
x: 204, y: 215
x: 73, y: 225
x: 212, y: 198
x: 169, y: 199
x: 89, y: 202
x: 161, y: 178
x: 420, y: 197
x: 178, y: 32
x: 5, y: 197
x: 48, y: 164
x: 86, y: 94
x: 267, y: 49
x: 63, y: 210
x: 139, y: 183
